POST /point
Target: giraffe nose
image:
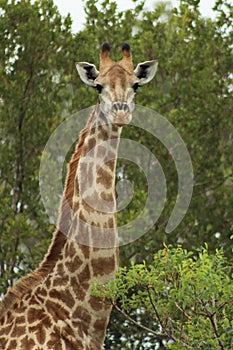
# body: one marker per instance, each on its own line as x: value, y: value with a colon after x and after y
x: 121, y: 113
x: 120, y: 106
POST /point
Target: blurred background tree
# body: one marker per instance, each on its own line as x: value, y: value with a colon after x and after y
x: 34, y: 45
x: 39, y: 87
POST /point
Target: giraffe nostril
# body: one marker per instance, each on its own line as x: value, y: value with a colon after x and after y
x: 125, y: 107
x: 115, y: 107
x: 120, y: 106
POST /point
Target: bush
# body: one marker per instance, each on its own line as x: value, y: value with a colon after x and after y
x: 187, y: 295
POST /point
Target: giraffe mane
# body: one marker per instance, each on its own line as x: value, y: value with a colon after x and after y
x: 59, y: 237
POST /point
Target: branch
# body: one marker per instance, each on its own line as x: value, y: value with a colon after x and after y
x: 225, y: 303
x: 214, y: 324
x: 135, y: 322
x: 211, y: 188
x: 212, y: 317
x: 182, y: 310
x: 158, y: 316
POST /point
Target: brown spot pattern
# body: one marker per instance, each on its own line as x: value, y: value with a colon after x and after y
x: 40, y: 335
x: 84, y: 276
x: 96, y: 303
x: 107, y: 196
x: 82, y: 314
x: 79, y: 291
x: 33, y: 315
x: 85, y: 250
x: 103, y: 266
x: 64, y: 296
x: 74, y: 264
x: 104, y: 178
x: 56, y: 310
x: 91, y: 142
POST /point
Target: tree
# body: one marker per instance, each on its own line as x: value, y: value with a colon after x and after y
x: 187, y: 296
x: 34, y: 44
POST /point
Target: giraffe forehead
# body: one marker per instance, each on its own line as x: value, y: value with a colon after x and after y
x: 116, y: 75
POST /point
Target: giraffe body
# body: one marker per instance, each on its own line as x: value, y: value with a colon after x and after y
x: 52, y: 308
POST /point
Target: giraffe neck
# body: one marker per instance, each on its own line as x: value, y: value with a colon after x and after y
x: 94, y: 205
x: 90, y: 252
x: 53, y: 306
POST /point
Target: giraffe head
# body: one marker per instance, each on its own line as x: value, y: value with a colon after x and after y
x: 117, y: 82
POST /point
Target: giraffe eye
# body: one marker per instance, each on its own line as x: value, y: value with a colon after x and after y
x: 135, y: 87
x: 99, y: 88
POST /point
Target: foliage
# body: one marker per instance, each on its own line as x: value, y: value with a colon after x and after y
x: 186, y: 295
x: 32, y: 97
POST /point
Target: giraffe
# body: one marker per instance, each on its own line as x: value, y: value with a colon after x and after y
x: 52, y: 308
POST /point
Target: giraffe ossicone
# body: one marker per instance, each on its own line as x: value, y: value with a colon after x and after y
x: 52, y: 307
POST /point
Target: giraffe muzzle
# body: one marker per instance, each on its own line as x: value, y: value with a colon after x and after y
x: 121, y: 113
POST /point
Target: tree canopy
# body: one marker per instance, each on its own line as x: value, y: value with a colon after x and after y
x: 39, y: 88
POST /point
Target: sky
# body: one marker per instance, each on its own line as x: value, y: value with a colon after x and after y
x: 76, y: 8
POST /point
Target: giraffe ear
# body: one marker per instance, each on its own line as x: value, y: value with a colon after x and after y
x: 87, y: 72
x: 146, y: 71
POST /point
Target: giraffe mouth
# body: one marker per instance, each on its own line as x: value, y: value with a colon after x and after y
x: 122, y: 120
